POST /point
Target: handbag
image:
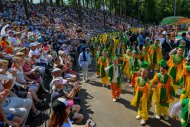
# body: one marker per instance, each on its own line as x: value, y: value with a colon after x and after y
x: 20, y: 91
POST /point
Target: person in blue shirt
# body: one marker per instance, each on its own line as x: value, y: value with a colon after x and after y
x: 140, y: 40
x: 185, y: 39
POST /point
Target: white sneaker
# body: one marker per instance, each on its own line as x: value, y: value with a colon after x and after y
x: 84, y: 80
x: 138, y: 117
x: 157, y: 117
x: 130, y: 85
x: 143, y: 122
x: 166, y: 118
x: 114, y: 100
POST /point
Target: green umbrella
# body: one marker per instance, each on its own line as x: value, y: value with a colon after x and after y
x: 175, y: 20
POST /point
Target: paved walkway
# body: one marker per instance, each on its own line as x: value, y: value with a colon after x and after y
x: 97, y: 104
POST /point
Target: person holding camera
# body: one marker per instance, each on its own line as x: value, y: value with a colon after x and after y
x: 59, y: 90
x: 60, y: 116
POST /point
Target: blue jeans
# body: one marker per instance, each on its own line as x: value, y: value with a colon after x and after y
x: 18, y: 107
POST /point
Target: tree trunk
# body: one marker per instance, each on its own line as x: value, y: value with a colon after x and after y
x: 26, y: 8
x: 115, y: 6
x: 125, y: 7
x: 95, y: 2
x: 51, y: 2
x: 62, y: 3
x: 110, y: 6
x: 87, y: 4
x: 104, y: 13
x: 83, y: 3
x: 91, y: 3
x: 120, y: 10
x: 43, y: 1
x: 57, y: 3
x: 79, y: 11
x: 1, y: 6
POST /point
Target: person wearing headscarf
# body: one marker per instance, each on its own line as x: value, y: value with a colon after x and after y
x: 163, y: 90
x: 143, y: 92
x: 84, y: 63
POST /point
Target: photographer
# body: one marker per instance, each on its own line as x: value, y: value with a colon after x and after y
x: 60, y: 116
x: 60, y: 91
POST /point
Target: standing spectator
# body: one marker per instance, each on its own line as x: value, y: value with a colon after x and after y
x: 140, y: 40
x: 84, y: 63
x: 184, y: 37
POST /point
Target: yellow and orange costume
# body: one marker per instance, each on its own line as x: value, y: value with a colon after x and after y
x: 176, y: 68
x: 103, y: 62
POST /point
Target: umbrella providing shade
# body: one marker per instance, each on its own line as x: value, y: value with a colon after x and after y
x: 175, y: 20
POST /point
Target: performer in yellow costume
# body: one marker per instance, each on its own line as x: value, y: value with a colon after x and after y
x: 111, y: 46
x: 143, y: 91
x: 155, y: 55
x: 104, y: 62
x: 134, y: 67
x: 98, y: 54
x: 119, y: 51
x: 143, y: 55
x: 163, y: 91
x: 104, y: 38
x: 126, y: 64
x: 185, y: 93
x: 176, y: 64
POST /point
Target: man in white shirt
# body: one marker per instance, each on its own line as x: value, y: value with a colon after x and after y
x: 42, y: 58
x: 35, y: 57
x: 84, y: 63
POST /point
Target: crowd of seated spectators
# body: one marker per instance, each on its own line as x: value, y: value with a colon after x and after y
x: 31, y: 52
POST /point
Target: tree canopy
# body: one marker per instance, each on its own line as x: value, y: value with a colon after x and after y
x: 148, y: 11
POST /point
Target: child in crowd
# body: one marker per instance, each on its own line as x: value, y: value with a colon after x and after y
x: 176, y: 64
x: 163, y: 91
x: 185, y: 93
x: 104, y: 62
x: 143, y: 92
x: 135, y: 67
x: 114, y: 72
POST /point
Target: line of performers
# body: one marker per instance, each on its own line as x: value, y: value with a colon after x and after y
x: 168, y: 77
